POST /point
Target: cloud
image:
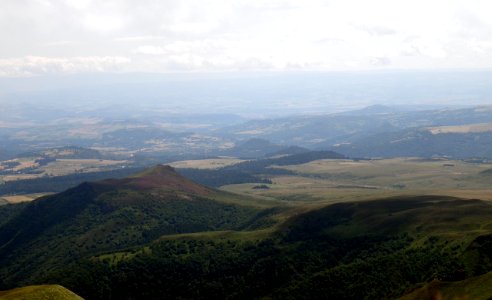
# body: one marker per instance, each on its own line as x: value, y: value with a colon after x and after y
x: 37, y: 65
x: 202, y: 35
x: 380, y: 61
x: 376, y: 30
x: 150, y: 50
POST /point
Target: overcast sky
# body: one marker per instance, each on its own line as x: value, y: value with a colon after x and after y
x: 72, y: 36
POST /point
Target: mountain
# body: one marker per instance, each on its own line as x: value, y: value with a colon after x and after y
x: 39, y: 292
x: 458, y: 142
x: 323, y: 131
x: 253, y: 148
x: 112, y: 215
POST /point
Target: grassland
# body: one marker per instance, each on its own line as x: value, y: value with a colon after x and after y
x: 331, y: 181
x: 69, y: 166
x: 469, y: 128
x: 39, y: 292
x: 61, y: 167
x: 22, y: 198
x: 214, y: 163
x: 475, y: 288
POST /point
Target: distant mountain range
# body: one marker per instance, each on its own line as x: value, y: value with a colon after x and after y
x: 381, y: 131
x: 375, y: 131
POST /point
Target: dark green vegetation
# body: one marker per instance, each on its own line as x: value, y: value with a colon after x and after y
x: 39, y: 292
x: 9, y: 211
x: 112, y: 215
x: 160, y: 234
x: 366, y: 250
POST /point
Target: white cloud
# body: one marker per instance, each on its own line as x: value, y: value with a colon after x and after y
x: 36, y: 65
x: 103, y: 22
x: 203, y: 35
x: 150, y: 50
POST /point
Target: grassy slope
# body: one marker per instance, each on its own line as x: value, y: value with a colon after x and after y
x: 332, y: 181
x: 476, y: 288
x: 39, y: 292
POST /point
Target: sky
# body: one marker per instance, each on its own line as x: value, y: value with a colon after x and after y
x: 40, y: 37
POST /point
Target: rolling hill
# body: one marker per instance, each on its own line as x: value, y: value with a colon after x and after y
x: 111, y: 215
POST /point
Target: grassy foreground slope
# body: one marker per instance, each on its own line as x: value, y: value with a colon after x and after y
x: 39, y: 292
x: 476, y: 288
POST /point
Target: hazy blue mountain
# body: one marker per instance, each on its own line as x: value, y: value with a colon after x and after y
x: 422, y: 143
x: 324, y: 131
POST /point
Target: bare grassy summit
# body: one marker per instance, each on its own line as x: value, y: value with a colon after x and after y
x: 40, y: 292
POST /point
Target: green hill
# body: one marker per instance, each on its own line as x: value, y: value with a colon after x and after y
x: 39, y: 292
x: 112, y: 215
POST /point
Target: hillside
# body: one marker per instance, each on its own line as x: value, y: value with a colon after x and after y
x: 39, y: 292
x: 362, y: 250
x: 478, y: 288
x: 111, y: 215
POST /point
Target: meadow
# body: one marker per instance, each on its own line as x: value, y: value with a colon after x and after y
x: 330, y: 181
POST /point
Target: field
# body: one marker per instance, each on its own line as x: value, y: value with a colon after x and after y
x: 68, y: 166
x: 21, y: 198
x: 214, y: 163
x: 61, y: 167
x: 330, y: 181
x: 481, y: 127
